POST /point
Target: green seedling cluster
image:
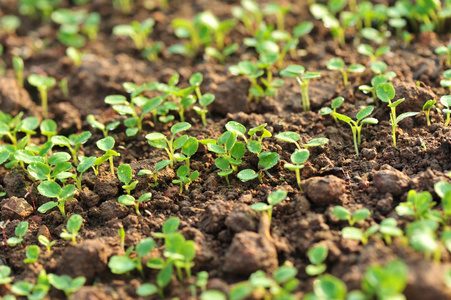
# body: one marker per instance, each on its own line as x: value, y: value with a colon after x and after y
x: 356, y: 126
x: 73, y: 143
x: 75, y: 23
x: 51, y: 189
x: 337, y: 64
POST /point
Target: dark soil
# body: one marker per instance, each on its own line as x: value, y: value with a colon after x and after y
x: 217, y: 216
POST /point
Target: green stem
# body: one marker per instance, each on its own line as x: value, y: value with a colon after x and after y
x: 393, y: 124
x: 61, y: 205
x: 298, y: 178
x: 304, y: 94
x: 428, y: 120
x: 354, y: 135
x: 43, y: 93
x: 204, y: 119
x: 112, y: 165
x: 447, y: 119
x: 345, y: 77
x: 137, y: 212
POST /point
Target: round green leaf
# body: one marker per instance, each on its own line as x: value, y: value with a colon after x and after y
x: 49, y: 189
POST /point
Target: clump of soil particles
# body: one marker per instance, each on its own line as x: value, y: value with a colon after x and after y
x: 225, y: 149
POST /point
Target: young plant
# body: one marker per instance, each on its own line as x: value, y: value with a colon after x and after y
x: 69, y: 30
x: 303, y: 78
x: 32, y: 254
x: 344, y: 214
x: 48, y: 128
x: 73, y: 226
x: 317, y: 255
x: 107, y: 144
x: 163, y: 279
x: 137, y: 31
x: 417, y: 205
x: 129, y: 200
x: 58, y: 161
x: 73, y: 143
x: 388, y: 229
x: 45, y: 241
x: 43, y: 84
x: 125, y: 175
x: 337, y: 64
x: 327, y: 286
x: 104, y: 128
x: 52, y: 189
x: 75, y: 55
x: 185, y: 178
x: 443, y: 50
x: 273, y: 199
x: 443, y: 190
x: 158, y: 167
x: 423, y: 238
x: 259, y: 132
x: 386, y: 93
x: 204, y: 101
x: 336, y: 103
x: 385, y: 282
x: 354, y: 233
x: 427, y: 108
x: 369, y: 51
x: 160, y: 141
x: 5, y: 271
x: 446, y: 101
x: 33, y: 291
x: 266, y: 160
x: 446, y: 81
x: 66, y: 283
x: 293, y: 137
x: 20, y: 231
x: 82, y: 167
x: 375, y: 81
x: 18, y: 68
x: 188, y: 149
x: 298, y: 158
x: 356, y: 126
x: 252, y: 72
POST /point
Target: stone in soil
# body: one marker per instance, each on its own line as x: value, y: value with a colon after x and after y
x: 324, y: 190
x: 15, y: 209
x: 390, y: 180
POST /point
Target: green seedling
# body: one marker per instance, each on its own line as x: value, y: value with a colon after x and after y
x: 185, y: 178
x: 5, y: 271
x: 125, y: 175
x: 417, y: 205
x: 43, y: 84
x: 201, y: 282
x: 204, y: 101
x: 83, y: 166
x: 195, y: 81
x: 344, y: 214
x: 104, y: 128
x: 388, y: 229
x: 259, y: 132
x: 18, y: 68
x: 29, y: 125
x: 45, y: 241
x: 443, y: 50
x: 337, y: 64
x: 280, y: 285
x: 106, y: 144
x: 385, y: 282
x: 9, y: 127
x: 336, y: 103
x: 266, y: 61
x: 32, y: 254
x: 279, y: 11
x: 380, y: 68
x: 356, y: 126
x: 359, y: 235
x: 252, y: 72
x: 52, y: 189
x: 385, y: 92
x: 188, y: 149
x: 75, y: 55
x: 33, y: 291
x: 446, y: 82
x: 423, y: 238
x: 298, y: 158
x: 125, y: 6
x: 9, y: 24
x: 158, y: 167
x: 90, y: 26
x: 123, y: 107
x: 369, y: 51
x: 48, y: 128
x: 73, y: 143
x: 184, y: 104
x: 293, y: 137
x: 446, y: 101
x: 273, y: 199
x: 372, y: 34
x: 57, y: 168
x: 20, y: 231
x: 129, y: 200
x: 317, y: 255
x: 250, y: 14
x: 266, y: 160
x: 73, y: 226
x: 137, y: 31
x: 443, y: 190
x: 66, y: 283
x: 375, y: 81
x: 303, y: 78
x: 327, y: 287
x: 163, y: 279
x: 69, y: 30
x: 160, y: 141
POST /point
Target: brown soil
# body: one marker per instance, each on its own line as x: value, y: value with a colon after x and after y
x: 216, y: 216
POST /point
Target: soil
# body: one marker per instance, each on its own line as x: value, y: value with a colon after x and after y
x: 231, y: 239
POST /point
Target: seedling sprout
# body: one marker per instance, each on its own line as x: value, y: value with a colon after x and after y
x: 43, y: 83
x: 344, y: 214
x: 298, y: 158
x: 20, y: 231
x: 427, y: 108
x: 18, y: 68
x: 45, y: 241
x: 317, y: 255
x: 446, y: 101
x: 32, y: 254
x: 337, y: 64
x: 273, y: 199
x: 158, y: 167
x: 66, y: 283
x: 52, y: 189
x: 336, y: 103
